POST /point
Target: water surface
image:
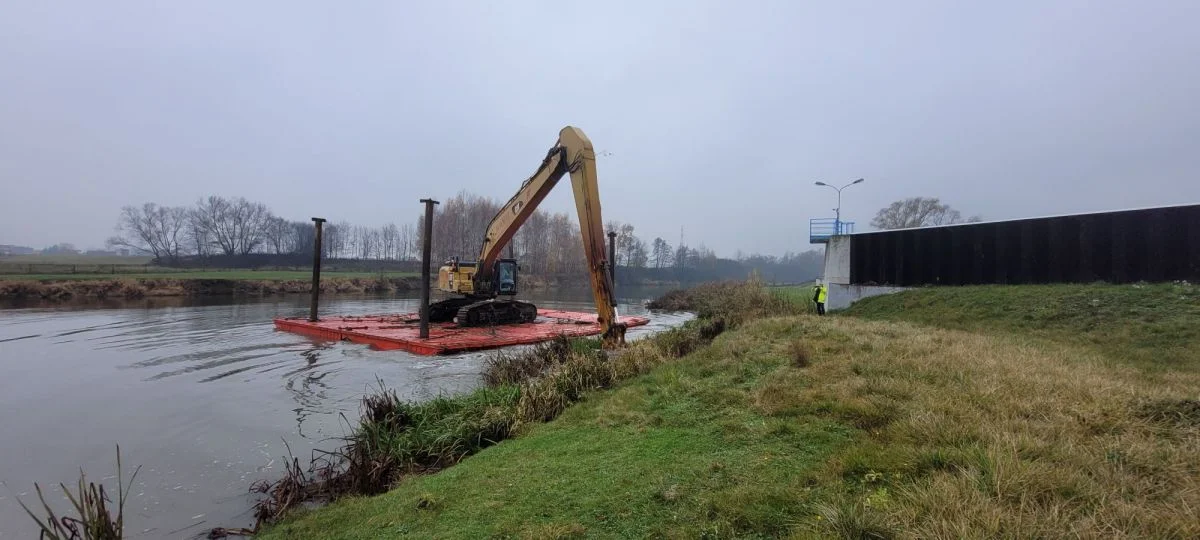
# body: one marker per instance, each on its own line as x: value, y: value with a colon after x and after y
x: 202, y: 393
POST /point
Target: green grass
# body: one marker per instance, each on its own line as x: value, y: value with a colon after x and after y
x: 1152, y: 326
x: 672, y: 454
x: 250, y: 275
x: 800, y: 294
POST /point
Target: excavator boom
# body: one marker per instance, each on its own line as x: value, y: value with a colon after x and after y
x: 572, y: 154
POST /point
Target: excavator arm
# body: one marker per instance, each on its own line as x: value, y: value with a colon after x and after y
x: 572, y: 154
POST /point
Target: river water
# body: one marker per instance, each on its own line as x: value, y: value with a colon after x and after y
x: 202, y: 394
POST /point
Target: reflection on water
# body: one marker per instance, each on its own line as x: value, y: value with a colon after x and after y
x: 202, y: 393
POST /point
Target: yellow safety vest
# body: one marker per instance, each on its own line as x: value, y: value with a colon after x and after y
x: 821, y: 291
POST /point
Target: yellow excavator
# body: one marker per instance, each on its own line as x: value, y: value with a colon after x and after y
x: 482, y: 290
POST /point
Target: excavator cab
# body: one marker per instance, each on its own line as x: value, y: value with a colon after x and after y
x: 506, y: 276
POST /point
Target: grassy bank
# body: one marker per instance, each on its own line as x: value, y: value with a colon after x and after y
x: 197, y: 286
x: 794, y: 425
x: 1149, y: 326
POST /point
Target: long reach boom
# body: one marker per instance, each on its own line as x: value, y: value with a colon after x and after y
x: 572, y: 154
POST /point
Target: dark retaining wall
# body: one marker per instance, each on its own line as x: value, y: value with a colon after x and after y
x: 1155, y: 244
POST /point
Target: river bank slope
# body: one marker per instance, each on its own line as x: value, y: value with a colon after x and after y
x: 872, y: 423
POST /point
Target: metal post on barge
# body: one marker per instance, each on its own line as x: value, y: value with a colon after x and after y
x: 426, y: 248
x: 316, y: 281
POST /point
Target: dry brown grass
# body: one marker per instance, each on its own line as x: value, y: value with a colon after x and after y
x: 508, y: 366
x: 969, y: 435
x: 545, y: 397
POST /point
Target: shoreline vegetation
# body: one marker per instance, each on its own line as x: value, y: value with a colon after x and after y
x: 1026, y: 411
x: 136, y: 287
x: 244, y: 284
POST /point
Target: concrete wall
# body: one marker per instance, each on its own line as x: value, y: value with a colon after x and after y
x: 837, y: 276
x: 841, y: 295
x: 837, y: 260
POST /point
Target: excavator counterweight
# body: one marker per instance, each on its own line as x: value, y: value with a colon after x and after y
x: 479, y: 285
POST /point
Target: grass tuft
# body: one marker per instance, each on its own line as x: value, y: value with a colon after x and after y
x: 514, y: 367
x: 733, y: 302
x: 1183, y: 413
x: 800, y: 354
x: 92, y: 519
x: 853, y: 520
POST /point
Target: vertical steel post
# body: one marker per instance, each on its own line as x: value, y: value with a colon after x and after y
x: 316, y: 281
x: 426, y: 249
x: 837, y: 221
x: 612, y: 263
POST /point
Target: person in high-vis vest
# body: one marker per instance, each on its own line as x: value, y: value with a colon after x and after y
x: 819, y: 294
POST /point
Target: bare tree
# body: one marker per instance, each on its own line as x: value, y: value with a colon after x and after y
x: 341, y: 241
x: 153, y: 229
x: 636, y: 253
x: 302, y: 238
x: 215, y: 218
x: 566, y: 241
x: 367, y: 242
x: 251, y: 220
x: 628, y: 245
x: 237, y: 226
x: 198, y: 238
x: 661, y: 253
x: 917, y: 212
x: 387, y: 241
x: 278, y: 234
x: 405, y: 241
x: 681, y: 258
x: 534, y: 240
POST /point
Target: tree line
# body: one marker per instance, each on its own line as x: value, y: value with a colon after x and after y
x: 236, y: 226
x: 548, y: 243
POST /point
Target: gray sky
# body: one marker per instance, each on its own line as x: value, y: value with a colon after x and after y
x: 719, y: 115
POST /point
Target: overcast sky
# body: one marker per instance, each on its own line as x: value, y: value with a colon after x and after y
x: 719, y: 116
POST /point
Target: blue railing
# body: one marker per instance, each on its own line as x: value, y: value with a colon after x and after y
x: 820, y: 229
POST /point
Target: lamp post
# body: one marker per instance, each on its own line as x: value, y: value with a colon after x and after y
x: 837, y: 221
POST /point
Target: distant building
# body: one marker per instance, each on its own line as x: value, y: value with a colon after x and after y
x: 61, y: 249
x: 6, y: 249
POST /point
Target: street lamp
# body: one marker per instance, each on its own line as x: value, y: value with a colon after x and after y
x: 837, y: 221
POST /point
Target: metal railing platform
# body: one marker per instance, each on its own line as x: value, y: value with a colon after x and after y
x: 820, y: 230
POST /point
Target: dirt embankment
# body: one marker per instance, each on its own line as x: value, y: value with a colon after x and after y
x: 139, y: 288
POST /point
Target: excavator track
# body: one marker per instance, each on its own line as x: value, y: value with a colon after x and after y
x: 496, y: 312
x: 444, y: 311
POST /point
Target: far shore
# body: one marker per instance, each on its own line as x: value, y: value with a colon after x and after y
x: 136, y: 286
x: 141, y: 287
